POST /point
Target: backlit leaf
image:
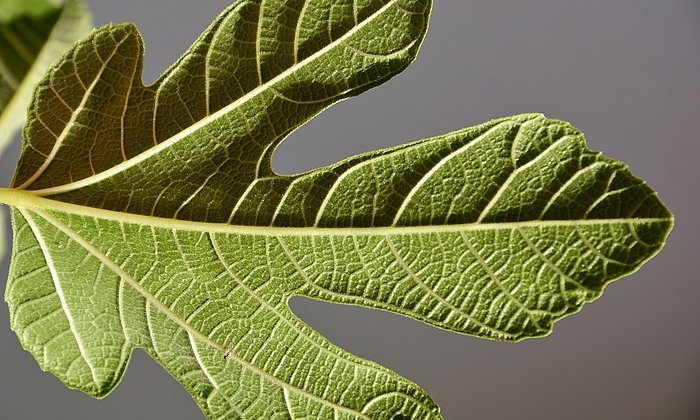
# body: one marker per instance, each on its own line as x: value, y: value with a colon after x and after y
x: 150, y: 217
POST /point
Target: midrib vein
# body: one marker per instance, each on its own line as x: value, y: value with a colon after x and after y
x: 260, y: 89
x: 30, y: 200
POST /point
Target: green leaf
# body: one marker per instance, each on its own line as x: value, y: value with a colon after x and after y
x: 29, y: 44
x: 150, y: 217
x: 12, y: 9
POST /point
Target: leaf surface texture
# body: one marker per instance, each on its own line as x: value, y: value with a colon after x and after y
x: 150, y: 217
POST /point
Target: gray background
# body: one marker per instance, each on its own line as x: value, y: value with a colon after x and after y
x: 627, y: 72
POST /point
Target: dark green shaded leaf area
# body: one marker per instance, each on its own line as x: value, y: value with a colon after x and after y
x: 150, y: 217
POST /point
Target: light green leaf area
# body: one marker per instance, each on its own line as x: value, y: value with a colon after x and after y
x: 11, y: 9
x: 29, y: 44
x: 150, y: 217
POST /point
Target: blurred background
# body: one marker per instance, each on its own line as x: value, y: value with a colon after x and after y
x: 626, y: 72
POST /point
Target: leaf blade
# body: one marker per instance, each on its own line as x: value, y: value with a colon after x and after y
x: 270, y: 96
x: 162, y: 343
x: 245, y: 259
x: 163, y: 198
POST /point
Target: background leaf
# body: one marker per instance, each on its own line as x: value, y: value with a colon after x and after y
x: 29, y: 44
x: 12, y: 9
